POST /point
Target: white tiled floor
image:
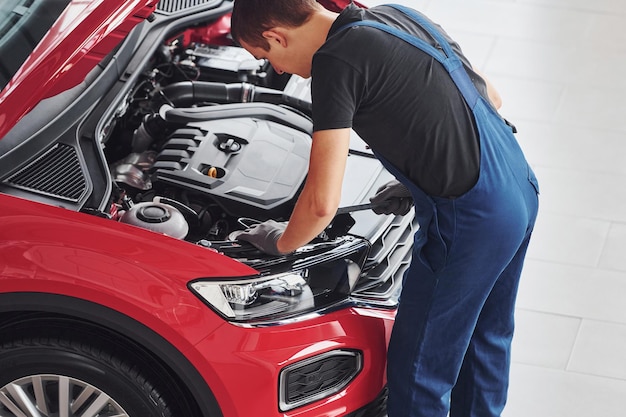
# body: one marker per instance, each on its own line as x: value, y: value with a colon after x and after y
x: 560, y: 66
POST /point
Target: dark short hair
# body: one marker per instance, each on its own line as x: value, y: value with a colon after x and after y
x: 250, y: 18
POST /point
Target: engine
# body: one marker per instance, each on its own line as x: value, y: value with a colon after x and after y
x: 210, y: 143
x: 249, y: 167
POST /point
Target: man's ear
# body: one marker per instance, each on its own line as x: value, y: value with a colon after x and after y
x: 276, y: 35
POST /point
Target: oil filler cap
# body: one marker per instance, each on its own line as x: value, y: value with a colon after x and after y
x: 230, y: 144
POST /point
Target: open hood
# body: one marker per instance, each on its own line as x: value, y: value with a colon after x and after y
x: 54, y: 44
x: 84, y: 33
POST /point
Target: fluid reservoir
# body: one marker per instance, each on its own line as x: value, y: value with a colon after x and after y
x: 158, y: 217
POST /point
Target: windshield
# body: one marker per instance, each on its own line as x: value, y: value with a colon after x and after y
x: 23, y: 23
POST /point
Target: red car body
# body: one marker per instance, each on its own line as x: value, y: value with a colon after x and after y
x: 75, y: 282
x: 84, y: 34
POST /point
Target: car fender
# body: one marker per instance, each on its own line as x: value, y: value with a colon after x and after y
x: 139, y: 273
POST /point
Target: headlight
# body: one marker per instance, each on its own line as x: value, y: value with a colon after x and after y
x: 311, y: 283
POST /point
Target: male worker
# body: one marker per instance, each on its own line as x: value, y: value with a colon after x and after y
x: 405, y: 87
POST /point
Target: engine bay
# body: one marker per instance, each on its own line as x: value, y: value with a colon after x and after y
x: 211, y: 141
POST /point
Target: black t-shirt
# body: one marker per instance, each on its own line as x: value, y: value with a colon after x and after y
x: 398, y: 99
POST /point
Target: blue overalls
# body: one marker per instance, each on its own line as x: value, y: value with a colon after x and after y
x: 450, y: 347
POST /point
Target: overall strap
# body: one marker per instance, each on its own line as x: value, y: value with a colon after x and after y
x: 446, y: 55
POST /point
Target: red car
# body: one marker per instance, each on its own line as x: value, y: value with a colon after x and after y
x: 135, y: 138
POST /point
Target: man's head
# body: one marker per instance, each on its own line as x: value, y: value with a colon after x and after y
x: 251, y: 18
x: 285, y: 32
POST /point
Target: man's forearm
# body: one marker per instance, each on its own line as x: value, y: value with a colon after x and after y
x: 318, y: 202
x: 305, y: 224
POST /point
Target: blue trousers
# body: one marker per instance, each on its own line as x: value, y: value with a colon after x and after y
x: 450, y: 348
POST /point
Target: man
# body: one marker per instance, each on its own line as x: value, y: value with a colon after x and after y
x: 405, y: 87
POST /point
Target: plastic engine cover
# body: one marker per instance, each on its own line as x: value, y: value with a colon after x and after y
x: 250, y: 167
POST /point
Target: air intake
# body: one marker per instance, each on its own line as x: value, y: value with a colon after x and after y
x: 175, y: 6
x: 57, y: 173
x: 317, y: 377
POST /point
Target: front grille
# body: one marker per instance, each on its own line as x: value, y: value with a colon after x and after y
x: 175, y: 6
x: 381, y: 280
x: 57, y: 173
x: 317, y: 377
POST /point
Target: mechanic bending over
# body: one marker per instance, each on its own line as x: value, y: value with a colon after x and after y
x: 405, y: 87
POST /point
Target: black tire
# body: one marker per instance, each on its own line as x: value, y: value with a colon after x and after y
x: 36, y: 370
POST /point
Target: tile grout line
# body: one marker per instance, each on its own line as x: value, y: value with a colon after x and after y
x: 576, y: 339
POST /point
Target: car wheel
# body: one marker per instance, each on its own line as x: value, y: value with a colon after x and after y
x: 63, y: 377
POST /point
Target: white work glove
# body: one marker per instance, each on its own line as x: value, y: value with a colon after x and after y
x: 392, y: 198
x: 264, y: 236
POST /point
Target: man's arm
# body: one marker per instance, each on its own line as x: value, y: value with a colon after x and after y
x: 493, y: 94
x: 320, y: 197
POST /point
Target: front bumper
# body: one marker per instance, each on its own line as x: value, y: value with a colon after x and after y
x: 246, y: 368
x: 377, y: 408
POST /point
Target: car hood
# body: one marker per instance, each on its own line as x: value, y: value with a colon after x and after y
x: 84, y: 33
x: 81, y: 37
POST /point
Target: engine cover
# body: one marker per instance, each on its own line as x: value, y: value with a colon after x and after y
x: 248, y: 166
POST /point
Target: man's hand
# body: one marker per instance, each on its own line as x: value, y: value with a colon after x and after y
x: 264, y: 236
x: 392, y: 198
